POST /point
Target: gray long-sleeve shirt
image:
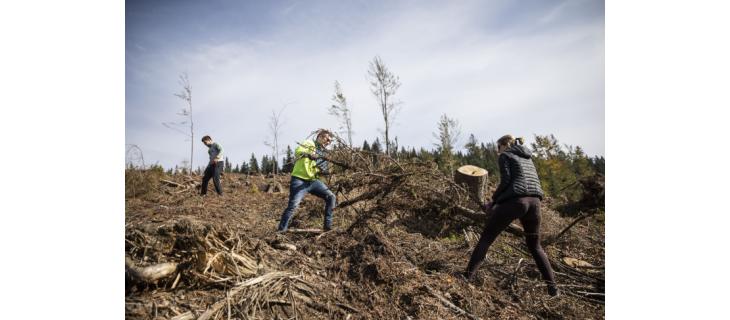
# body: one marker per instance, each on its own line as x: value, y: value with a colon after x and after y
x: 215, y: 152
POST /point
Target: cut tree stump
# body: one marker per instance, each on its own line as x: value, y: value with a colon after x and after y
x: 474, y: 179
x: 274, y: 187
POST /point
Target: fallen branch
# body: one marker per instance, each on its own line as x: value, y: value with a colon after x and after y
x: 448, y: 303
x: 185, y: 316
x: 481, y: 218
x: 552, y: 239
x: 171, y: 183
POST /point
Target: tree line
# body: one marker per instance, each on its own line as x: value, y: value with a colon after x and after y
x: 559, y: 166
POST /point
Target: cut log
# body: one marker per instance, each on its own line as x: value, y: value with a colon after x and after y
x: 473, y: 179
x: 150, y: 273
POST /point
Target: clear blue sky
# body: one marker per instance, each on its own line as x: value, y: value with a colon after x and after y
x: 519, y: 67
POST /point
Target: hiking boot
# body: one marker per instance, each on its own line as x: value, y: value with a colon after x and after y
x: 462, y: 276
x: 553, y: 290
x: 327, y: 228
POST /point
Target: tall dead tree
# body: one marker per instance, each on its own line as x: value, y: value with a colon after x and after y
x: 134, y: 157
x: 275, y: 124
x: 187, y: 113
x: 342, y: 112
x: 383, y: 85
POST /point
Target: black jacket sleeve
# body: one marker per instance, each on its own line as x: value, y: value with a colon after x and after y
x: 505, y: 177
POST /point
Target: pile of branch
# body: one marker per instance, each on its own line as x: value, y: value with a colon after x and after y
x: 187, y: 184
x: 203, y: 257
x: 401, y: 187
x: 384, y: 189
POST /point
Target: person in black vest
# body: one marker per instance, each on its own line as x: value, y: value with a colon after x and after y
x: 517, y: 197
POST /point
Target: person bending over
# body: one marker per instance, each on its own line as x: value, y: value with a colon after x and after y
x: 310, y: 164
x: 518, y: 196
x: 214, y: 168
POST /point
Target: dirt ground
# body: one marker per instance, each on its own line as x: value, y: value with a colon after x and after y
x: 231, y: 264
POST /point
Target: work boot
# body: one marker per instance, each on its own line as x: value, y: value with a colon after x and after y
x: 552, y: 289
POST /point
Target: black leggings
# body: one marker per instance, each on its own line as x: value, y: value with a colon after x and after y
x: 527, y: 209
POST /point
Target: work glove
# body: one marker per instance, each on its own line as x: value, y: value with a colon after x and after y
x: 312, y: 156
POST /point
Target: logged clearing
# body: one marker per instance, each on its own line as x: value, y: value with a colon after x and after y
x: 403, y: 233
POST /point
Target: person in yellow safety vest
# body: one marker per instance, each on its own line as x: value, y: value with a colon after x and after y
x: 310, y: 164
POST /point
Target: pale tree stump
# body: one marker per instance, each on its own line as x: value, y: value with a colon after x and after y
x: 474, y: 179
x: 274, y: 187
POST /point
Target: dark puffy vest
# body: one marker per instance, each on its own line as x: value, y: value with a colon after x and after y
x: 523, y: 175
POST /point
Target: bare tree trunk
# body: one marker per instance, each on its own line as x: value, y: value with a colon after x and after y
x: 275, y: 125
x: 384, y: 84
x: 192, y: 136
x: 387, y: 123
x: 185, y: 94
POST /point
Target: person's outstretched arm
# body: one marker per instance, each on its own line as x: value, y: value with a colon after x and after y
x: 505, y: 177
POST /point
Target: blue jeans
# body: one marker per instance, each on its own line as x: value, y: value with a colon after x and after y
x: 212, y: 171
x: 297, y: 190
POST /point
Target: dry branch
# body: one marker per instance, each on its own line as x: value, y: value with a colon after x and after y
x: 172, y: 183
x: 448, y: 303
x: 185, y: 316
x: 314, y: 231
x: 553, y: 239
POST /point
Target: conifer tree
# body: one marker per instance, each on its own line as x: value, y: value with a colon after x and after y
x: 253, y: 164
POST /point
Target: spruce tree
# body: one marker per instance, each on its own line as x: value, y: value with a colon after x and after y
x: 253, y: 164
x: 375, y: 147
x: 288, y: 161
x: 265, y: 164
x: 365, y: 146
x: 227, y: 166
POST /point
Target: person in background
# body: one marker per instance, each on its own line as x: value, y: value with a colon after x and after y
x: 310, y: 164
x: 214, y: 168
x: 518, y: 196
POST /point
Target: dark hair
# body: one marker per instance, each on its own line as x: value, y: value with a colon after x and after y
x: 323, y: 132
x: 206, y: 138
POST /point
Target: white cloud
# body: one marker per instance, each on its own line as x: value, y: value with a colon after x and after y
x: 536, y: 82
